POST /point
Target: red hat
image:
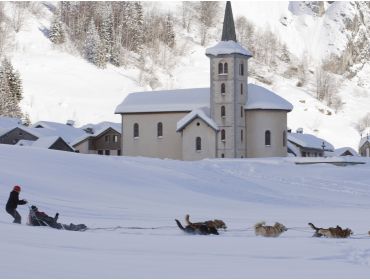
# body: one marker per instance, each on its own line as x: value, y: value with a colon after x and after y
x: 17, y: 188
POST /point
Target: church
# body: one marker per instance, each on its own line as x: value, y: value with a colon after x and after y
x: 230, y: 119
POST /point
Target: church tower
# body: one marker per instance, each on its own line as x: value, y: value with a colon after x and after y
x: 228, y: 90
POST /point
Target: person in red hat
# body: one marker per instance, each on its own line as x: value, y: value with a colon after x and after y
x: 13, y: 202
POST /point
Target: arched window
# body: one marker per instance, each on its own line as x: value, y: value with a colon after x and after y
x: 220, y: 68
x: 223, y: 112
x: 222, y: 155
x: 136, y: 130
x: 159, y: 129
x: 284, y: 138
x: 241, y: 135
x: 241, y: 89
x: 225, y: 68
x: 198, y: 144
x: 241, y: 69
x: 241, y: 111
x: 268, y: 138
x: 223, y: 135
x: 223, y: 88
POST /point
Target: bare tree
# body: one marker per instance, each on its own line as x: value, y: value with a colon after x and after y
x: 188, y: 13
x: 245, y: 32
x: 207, y: 15
x: 363, y: 123
x: 18, y: 16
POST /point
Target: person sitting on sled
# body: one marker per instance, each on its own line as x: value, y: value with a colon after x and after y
x: 37, y: 218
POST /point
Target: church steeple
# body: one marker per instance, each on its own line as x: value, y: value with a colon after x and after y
x: 228, y: 30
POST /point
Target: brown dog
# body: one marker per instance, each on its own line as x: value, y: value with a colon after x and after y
x: 215, y: 223
x: 269, y: 231
x: 332, y: 232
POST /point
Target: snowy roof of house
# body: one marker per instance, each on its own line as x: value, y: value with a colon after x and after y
x: 42, y: 142
x: 227, y: 47
x: 179, y: 100
x: 262, y: 98
x: 7, y: 122
x: 67, y: 132
x: 309, y: 141
x: 97, y: 130
x: 202, y: 113
x: 341, y: 151
x: 185, y: 100
x: 363, y: 141
x: 294, y: 149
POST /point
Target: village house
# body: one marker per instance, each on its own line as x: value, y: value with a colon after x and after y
x: 231, y: 119
x: 364, y: 146
x: 102, y: 139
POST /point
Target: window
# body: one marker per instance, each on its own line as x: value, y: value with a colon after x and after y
x: 136, y: 130
x: 225, y: 68
x: 118, y: 152
x: 241, y: 135
x: 106, y: 138
x: 159, y: 129
x: 115, y: 138
x: 222, y: 155
x: 267, y: 138
x: 107, y: 152
x: 241, y: 69
x: 284, y: 138
x: 77, y: 151
x: 241, y: 111
x: 198, y: 144
x: 100, y: 152
x: 223, y: 135
x: 241, y: 89
x: 223, y: 113
x: 220, y: 68
x: 223, y: 88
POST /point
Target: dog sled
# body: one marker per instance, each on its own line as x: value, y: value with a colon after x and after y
x: 37, y: 218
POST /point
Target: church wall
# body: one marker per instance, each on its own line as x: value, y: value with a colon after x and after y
x: 258, y: 121
x: 198, y: 128
x: 148, y: 144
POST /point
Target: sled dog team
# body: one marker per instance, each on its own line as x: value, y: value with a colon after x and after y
x: 212, y: 227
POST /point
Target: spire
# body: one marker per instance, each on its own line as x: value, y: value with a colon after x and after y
x: 228, y: 30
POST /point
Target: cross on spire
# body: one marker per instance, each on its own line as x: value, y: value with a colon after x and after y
x: 228, y: 30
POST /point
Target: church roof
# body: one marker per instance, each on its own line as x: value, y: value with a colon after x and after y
x: 202, y: 113
x: 186, y: 100
x: 228, y: 30
x: 228, y: 47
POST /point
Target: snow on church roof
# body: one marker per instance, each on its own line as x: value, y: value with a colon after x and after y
x: 309, y: 141
x: 179, y: 100
x: 227, y: 47
x: 202, y: 113
x: 262, y: 98
x: 186, y: 100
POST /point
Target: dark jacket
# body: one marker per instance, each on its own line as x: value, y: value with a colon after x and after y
x: 14, y: 201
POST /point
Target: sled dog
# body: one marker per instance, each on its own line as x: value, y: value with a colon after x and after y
x: 197, y: 229
x: 269, y: 231
x: 218, y: 224
x: 332, y: 232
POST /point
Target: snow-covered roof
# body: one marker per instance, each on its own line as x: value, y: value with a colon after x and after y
x: 42, y: 142
x: 179, y: 100
x: 262, y: 98
x: 186, y: 100
x: 227, y: 47
x: 364, y: 140
x: 202, y: 113
x: 309, y: 141
x: 67, y: 132
x: 294, y: 149
x: 341, y: 151
x: 102, y: 127
x: 7, y: 122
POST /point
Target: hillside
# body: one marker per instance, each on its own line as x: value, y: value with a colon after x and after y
x: 59, y: 84
x: 121, y: 199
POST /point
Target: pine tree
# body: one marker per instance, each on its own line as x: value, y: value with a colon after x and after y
x: 94, y: 50
x: 169, y: 32
x: 9, y: 106
x: 13, y: 79
x: 106, y: 28
x: 56, y: 33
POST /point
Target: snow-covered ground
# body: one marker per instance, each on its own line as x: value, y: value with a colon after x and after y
x: 106, y: 192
